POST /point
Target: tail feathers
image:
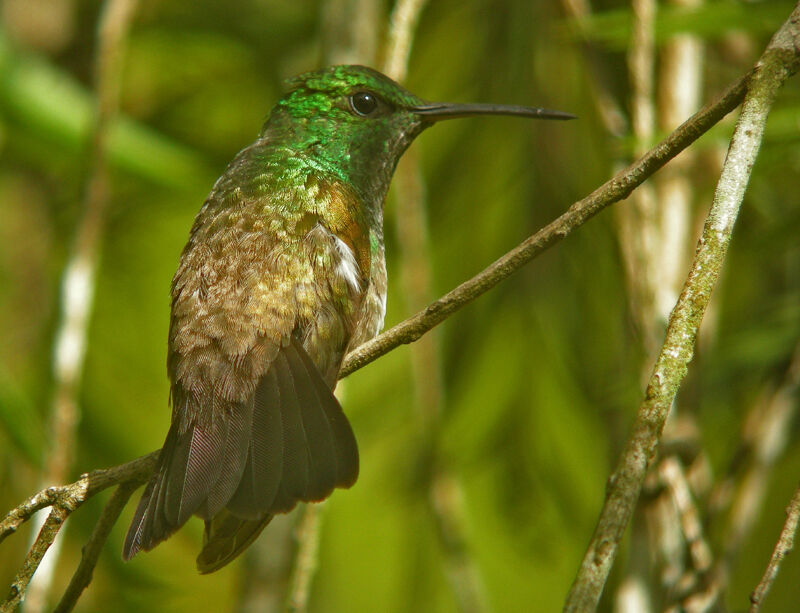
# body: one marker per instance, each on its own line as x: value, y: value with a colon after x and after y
x: 137, y: 530
x: 290, y: 443
x: 198, y: 472
x: 225, y: 538
x: 302, y: 446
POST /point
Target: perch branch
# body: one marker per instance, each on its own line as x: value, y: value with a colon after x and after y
x: 135, y: 472
x: 64, y: 500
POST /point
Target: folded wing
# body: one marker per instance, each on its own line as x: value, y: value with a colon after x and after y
x: 290, y: 442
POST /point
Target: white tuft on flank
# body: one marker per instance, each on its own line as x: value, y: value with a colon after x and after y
x: 348, y: 267
x: 382, y: 305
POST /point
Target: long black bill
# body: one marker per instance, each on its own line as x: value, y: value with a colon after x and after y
x: 437, y: 111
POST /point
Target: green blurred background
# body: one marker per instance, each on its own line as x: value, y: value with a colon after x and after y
x: 537, y: 382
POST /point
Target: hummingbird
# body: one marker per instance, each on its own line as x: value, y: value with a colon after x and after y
x: 283, y: 274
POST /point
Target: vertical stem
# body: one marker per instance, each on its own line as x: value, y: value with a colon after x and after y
x: 781, y: 58
x: 765, y: 436
x: 80, y: 274
x: 350, y: 35
x: 637, y: 221
x: 445, y: 493
x: 350, y: 31
x: 637, y: 230
x: 308, y: 533
x: 679, y: 86
x: 672, y: 543
x: 402, y: 24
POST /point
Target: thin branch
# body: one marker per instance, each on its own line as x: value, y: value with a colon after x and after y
x: 674, y: 477
x: 308, y: 533
x: 784, y: 545
x: 64, y: 500
x: 91, y: 551
x: 47, y: 534
x: 765, y: 434
x: 614, y: 190
x: 656, y: 241
x: 402, y: 24
x: 72, y: 498
x: 674, y: 521
x: 41, y: 500
x: 779, y: 61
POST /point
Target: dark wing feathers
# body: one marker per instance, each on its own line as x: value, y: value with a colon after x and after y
x: 193, y: 464
x: 140, y: 518
x: 264, y: 466
x: 345, y: 449
x: 295, y: 476
x: 225, y: 538
x: 322, y: 462
x: 228, y: 474
x: 290, y: 442
x: 149, y: 527
x: 198, y: 472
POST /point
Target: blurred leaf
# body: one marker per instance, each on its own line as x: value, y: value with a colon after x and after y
x: 52, y: 104
x: 20, y: 421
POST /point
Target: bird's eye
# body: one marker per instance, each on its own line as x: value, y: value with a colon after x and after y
x: 363, y: 103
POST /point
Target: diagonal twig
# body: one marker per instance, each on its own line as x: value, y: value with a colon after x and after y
x: 779, y: 61
x: 613, y: 190
x: 41, y: 545
x: 44, y: 539
x: 782, y: 547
